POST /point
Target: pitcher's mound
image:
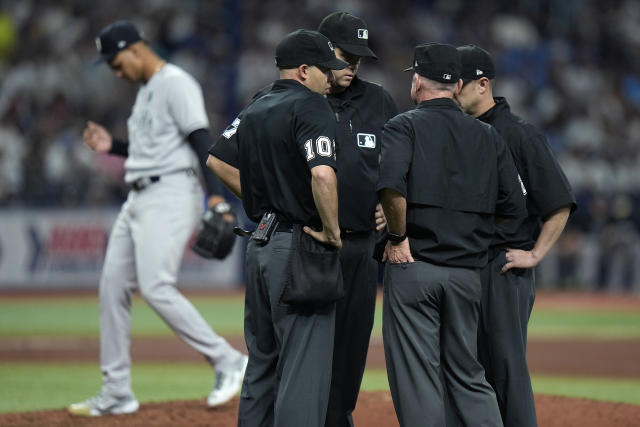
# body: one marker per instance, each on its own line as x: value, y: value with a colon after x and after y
x: 375, y: 409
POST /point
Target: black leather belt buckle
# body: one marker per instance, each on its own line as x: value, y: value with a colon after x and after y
x: 144, y: 182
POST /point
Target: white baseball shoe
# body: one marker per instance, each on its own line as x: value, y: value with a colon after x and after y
x: 228, y: 383
x: 103, y: 404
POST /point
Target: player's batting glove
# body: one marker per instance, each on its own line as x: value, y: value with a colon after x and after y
x: 216, y: 237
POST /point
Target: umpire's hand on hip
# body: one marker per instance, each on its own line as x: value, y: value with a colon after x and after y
x: 326, y: 236
x: 398, y: 254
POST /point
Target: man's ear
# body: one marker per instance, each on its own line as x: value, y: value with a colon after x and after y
x: 303, y: 71
x: 458, y: 87
x: 484, y: 84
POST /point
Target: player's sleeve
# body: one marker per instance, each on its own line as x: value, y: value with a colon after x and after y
x: 315, y: 132
x: 225, y: 147
x: 547, y: 186
x: 186, y: 104
x: 397, y: 150
x: 199, y: 140
x: 511, y: 200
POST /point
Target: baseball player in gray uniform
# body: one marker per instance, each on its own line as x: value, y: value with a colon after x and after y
x: 161, y: 212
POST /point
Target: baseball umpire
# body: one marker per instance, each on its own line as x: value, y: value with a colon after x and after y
x: 508, y: 286
x: 361, y: 109
x: 443, y: 176
x: 167, y: 127
x: 286, y: 161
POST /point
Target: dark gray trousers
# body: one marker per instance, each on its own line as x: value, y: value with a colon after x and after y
x: 430, y: 319
x: 290, y: 349
x: 354, y: 321
x: 507, y: 301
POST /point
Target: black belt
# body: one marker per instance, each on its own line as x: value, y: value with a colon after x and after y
x: 285, y: 226
x: 145, y: 181
x: 344, y: 232
x: 349, y: 233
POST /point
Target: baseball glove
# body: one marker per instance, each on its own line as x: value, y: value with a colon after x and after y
x: 216, y: 237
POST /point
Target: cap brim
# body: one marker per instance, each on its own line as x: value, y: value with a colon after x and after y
x: 335, y: 64
x: 358, y: 50
x: 103, y: 58
x: 408, y: 69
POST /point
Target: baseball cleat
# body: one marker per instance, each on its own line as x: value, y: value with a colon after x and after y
x: 228, y: 383
x: 103, y: 404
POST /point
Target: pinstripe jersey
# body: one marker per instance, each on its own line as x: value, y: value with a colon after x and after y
x: 167, y: 109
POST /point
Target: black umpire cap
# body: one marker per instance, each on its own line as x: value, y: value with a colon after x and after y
x: 114, y: 38
x: 476, y: 63
x: 307, y: 47
x: 348, y: 32
x: 437, y: 61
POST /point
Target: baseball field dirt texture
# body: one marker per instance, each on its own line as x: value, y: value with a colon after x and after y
x: 575, y: 357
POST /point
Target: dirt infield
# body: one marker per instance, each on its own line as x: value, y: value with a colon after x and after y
x: 606, y: 358
x: 602, y: 358
x: 374, y: 410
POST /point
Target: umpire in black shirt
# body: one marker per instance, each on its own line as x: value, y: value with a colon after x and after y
x: 519, y: 244
x: 361, y: 109
x: 286, y: 160
x: 443, y: 177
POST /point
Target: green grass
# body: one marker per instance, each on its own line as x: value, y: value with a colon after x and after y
x: 607, y: 389
x: 35, y: 386
x: 570, y: 323
x: 31, y: 386
x: 584, y: 324
x: 78, y: 317
x: 39, y: 386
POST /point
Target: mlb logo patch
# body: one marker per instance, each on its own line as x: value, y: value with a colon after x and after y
x: 363, y: 33
x: 366, y: 140
x: 231, y: 129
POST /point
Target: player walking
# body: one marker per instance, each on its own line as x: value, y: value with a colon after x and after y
x: 154, y: 224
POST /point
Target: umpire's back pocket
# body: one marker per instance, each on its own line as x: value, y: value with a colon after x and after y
x: 314, y: 275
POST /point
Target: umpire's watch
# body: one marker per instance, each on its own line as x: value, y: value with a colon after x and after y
x: 396, y: 239
x: 222, y: 208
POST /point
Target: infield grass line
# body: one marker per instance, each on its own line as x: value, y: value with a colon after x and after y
x: 39, y: 386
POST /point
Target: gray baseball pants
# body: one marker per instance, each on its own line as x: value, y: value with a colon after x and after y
x: 507, y: 301
x: 430, y: 320
x: 145, y: 250
x: 290, y: 348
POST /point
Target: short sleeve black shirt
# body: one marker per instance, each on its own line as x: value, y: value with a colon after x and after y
x: 225, y: 147
x: 282, y: 136
x: 545, y: 183
x: 456, y: 173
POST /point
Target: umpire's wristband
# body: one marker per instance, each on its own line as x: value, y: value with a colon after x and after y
x: 396, y: 239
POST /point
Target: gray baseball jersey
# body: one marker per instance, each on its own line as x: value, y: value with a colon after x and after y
x: 167, y: 109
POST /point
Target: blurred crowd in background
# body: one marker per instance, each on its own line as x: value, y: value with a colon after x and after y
x: 571, y: 67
